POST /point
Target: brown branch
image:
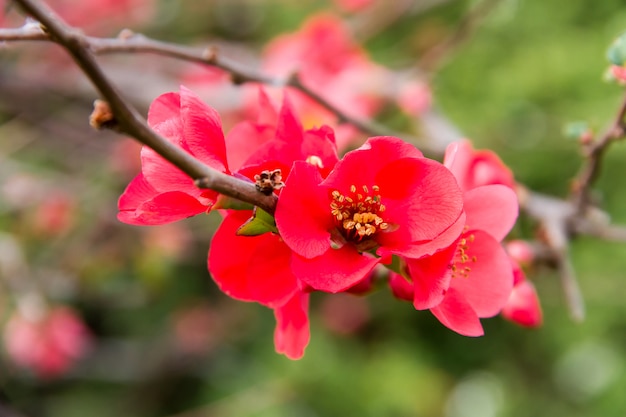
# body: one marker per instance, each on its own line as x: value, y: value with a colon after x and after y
x: 129, y: 42
x: 559, y: 219
x: 131, y: 122
x: 593, y: 152
x: 433, y: 58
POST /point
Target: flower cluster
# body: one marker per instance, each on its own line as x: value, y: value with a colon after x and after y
x: 436, y: 227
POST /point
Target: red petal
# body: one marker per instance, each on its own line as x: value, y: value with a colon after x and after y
x: 400, y: 287
x: 475, y: 168
x: 288, y: 128
x: 163, y: 208
x: 456, y: 314
x: 163, y: 108
x: 164, y: 176
x: 421, y: 196
x: 491, y: 208
x: 202, y: 130
x: 417, y: 250
x: 490, y: 280
x: 334, y: 271
x: 303, y: 212
x: 251, y: 268
x: 523, y: 306
x: 360, y: 167
x: 431, y: 277
x: 292, y: 332
x: 138, y: 191
x: 244, y: 140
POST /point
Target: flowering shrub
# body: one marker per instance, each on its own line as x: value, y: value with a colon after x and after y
x: 438, y: 227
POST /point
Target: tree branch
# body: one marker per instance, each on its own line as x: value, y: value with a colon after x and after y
x: 131, y: 122
x: 593, y: 152
x: 130, y: 42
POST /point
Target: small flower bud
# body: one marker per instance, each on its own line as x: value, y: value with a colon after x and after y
x: 102, y: 117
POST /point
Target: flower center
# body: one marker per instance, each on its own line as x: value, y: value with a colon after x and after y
x: 462, y: 260
x: 357, y: 212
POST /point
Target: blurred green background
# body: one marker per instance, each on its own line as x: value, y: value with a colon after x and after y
x: 168, y: 343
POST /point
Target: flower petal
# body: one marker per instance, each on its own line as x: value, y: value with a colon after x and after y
x: 365, y: 162
x: 456, y: 314
x: 163, y: 208
x: 523, y: 306
x: 421, y: 196
x: 417, y: 250
x: 303, y: 213
x: 251, y: 268
x: 491, y: 208
x: 202, y: 130
x: 489, y: 282
x: 431, y: 277
x: 292, y: 332
x: 164, y: 108
x: 334, y: 271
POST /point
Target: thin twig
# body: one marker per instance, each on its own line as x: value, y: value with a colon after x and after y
x: 593, y: 152
x: 131, y: 122
x: 434, y: 57
x: 129, y: 42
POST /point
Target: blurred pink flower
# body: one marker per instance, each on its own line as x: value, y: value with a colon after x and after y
x: 474, y: 168
x: 49, y: 345
x: 414, y: 98
x: 55, y: 214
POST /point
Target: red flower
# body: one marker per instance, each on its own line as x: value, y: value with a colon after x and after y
x: 472, y: 278
x: 481, y: 278
x: 257, y: 268
x: 384, y: 197
x: 162, y: 193
x: 523, y: 306
x: 475, y: 168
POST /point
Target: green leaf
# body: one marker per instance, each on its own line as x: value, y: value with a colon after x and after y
x: 260, y: 222
x: 575, y: 130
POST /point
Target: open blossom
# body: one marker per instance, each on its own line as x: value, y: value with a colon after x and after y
x: 257, y: 268
x: 48, y: 345
x: 472, y: 278
x: 162, y: 193
x: 523, y: 306
x: 382, y: 199
x: 328, y: 60
x: 474, y: 168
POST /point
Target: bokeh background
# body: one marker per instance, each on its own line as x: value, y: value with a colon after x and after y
x: 166, y: 342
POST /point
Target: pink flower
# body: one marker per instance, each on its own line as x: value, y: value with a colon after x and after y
x: 162, y: 193
x: 475, y: 168
x: 523, y: 306
x: 414, y: 98
x: 48, y: 345
x: 472, y: 278
x: 384, y: 198
x: 618, y: 72
x: 330, y: 62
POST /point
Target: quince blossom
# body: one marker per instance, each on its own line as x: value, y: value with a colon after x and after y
x: 472, y: 278
x: 382, y: 199
x: 162, y: 193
